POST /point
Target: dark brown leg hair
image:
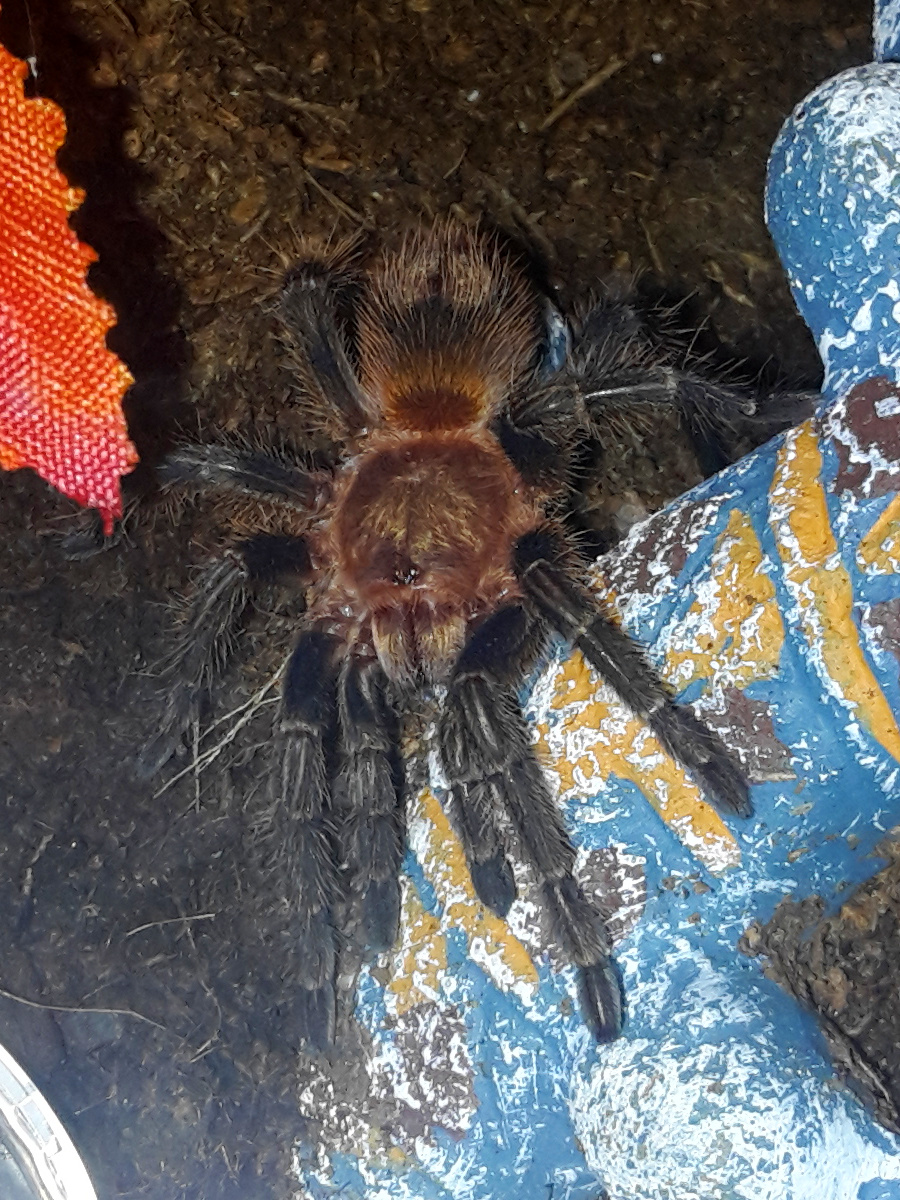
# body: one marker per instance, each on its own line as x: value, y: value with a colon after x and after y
x: 477, y: 798
x: 612, y: 366
x: 240, y: 470
x: 491, y: 767
x: 333, y: 839
x: 544, y: 565
x: 200, y: 649
x: 313, y: 305
x: 618, y: 360
x: 368, y: 801
x: 302, y: 860
x: 615, y: 365
x: 205, y: 637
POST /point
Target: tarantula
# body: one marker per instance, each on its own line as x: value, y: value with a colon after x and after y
x: 433, y: 556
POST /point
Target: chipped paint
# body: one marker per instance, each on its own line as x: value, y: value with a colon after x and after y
x: 865, y: 436
x: 672, y: 1121
x: 831, y: 208
x: 491, y: 942
x: 420, y: 957
x: 879, y: 550
x: 486, y: 1085
x: 597, y: 738
x: 482, y: 1083
x: 820, y: 586
x: 886, y: 30
x: 733, y: 630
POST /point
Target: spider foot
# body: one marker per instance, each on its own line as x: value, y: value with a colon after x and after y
x: 381, y: 915
x: 315, y: 1018
x: 700, y: 750
x: 581, y: 931
x: 494, y: 883
x: 600, y: 997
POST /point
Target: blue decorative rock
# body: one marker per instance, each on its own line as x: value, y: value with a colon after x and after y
x: 833, y: 211
x: 886, y: 31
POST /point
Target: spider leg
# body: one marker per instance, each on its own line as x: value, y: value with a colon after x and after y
x: 476, y: 791
x: 708, y: 411
x: 491, y: 767
x: 543, y: 564
x: 311, y: 302
x: 613, y: 367
x: 618, y: 360
x: 241, y: 470
x: 367, y: 792
x: 540, y: 430
x: 206, y: 636
x: 301, y: 833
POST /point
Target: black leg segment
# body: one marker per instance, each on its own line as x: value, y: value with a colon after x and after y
x: 271, y: 557
x: 473, y: 745
x: 302, y: 854
x: 486, y: 752
x: 542, y: 562
x: 368, y: 801
x: 199, y: 651
x: 242, y: 471
x: 310, y: 305
x: 211, y: 622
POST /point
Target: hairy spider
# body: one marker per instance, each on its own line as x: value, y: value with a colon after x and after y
x: 433, y: 556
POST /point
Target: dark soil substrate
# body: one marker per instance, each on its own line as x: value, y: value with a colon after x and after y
x: 209, y: 136
x: 844, y: 969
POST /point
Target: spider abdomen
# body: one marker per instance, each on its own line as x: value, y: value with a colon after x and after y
x: 438, y: 407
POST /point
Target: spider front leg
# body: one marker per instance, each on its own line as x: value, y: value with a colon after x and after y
x: 207, y: 633
x: 490, y: 765
x: 543, y: 563
x: 303, y: 856
x: 367, y: 794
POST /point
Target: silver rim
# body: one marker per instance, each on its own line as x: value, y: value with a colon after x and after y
x: 40, y: 1146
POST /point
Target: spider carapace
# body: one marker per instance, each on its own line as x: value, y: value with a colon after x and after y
x: 433, y: 556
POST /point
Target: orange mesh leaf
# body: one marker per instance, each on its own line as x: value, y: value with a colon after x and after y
x: 61, y: 389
